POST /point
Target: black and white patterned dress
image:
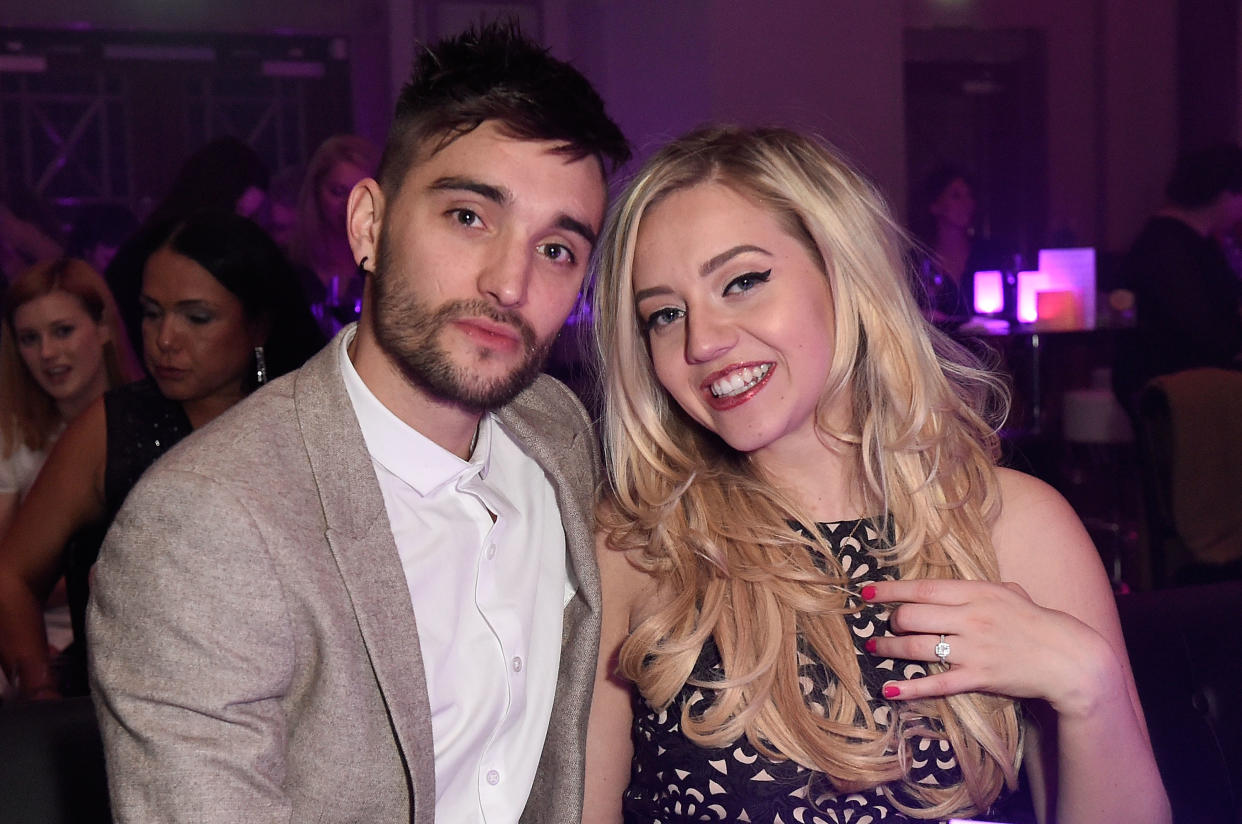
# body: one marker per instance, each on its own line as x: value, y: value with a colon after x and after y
x: 675, y: 780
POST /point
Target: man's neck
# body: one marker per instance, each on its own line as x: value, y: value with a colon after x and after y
x: 444, y: 423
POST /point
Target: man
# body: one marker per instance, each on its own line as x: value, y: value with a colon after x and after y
x: 369, y: 593
x: 1187, y: 299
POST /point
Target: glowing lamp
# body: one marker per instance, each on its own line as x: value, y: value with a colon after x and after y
x: 989, y: 292
x: 1029, y: 284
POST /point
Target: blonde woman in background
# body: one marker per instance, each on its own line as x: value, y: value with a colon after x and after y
x: 319, y: 245
x: 832, y: 602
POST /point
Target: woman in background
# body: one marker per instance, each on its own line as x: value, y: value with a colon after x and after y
x: 320, y: 246
x: 832, y: 602
x: 224, y: 174
x: 222, y: 314
x: 61, y: 346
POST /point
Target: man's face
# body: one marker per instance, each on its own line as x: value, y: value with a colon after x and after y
x: 480, y: 258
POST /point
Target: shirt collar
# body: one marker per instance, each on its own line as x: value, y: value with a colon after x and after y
x: 402, y: 449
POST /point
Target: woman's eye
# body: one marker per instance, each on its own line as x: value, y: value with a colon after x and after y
x: 746, y: 282
x: 63, y: 331
x: 558, y: 252
x: 199, y: 319
x: 661, y: 318
x: 27, y: 339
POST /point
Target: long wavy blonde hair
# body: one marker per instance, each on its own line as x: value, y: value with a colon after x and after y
x: 720, y: 538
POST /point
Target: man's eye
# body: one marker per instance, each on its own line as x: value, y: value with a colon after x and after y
x: 662, y: 317
x: 465, y: 217
x: 557, y: 252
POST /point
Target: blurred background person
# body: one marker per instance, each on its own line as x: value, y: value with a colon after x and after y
x: 1188, y: 301
x: 29, y: 232
x: 224, y: 174
x: 282, y: 202
x: 98, y: 231
x: 320, y: 246
x: 61, y: 346
x: 221, y: 314
x: 943, y: 219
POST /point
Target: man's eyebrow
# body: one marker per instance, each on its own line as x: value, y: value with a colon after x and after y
x: 576, y: 226
x: 724, y: 257
x: 496, y: 194
x: 503, y: 197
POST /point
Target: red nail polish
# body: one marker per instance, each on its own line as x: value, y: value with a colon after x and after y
x: 868, y: 592
x: 870, y: 645
x: 891, y: 691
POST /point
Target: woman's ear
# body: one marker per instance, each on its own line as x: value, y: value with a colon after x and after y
x: 365, y: 216
x: 259, y: 330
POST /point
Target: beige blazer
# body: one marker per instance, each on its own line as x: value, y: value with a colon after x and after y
x: 254, y: 652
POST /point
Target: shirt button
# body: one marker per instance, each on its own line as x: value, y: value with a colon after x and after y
x: 493, y: 777
x: 491, y: 551
x: 517, y: 663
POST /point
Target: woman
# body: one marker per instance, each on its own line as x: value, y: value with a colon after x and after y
x: 767, y: 368
x: 319, y: 244
x: 224, y: 174
x: 945, y: 222
x: 61, y: 346
x: 221, y: 315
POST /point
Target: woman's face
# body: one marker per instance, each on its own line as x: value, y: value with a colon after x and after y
x: 955, y: 206
x: 196, y: 339
x: 739, y: 319
x: 62, y: 346
x: 333, y: 193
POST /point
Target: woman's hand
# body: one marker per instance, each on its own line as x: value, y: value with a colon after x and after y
x: 996, y: 639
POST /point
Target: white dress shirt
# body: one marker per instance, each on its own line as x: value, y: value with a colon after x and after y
x: 484, y: 554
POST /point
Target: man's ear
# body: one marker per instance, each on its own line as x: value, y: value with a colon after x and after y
x: 365, y: 217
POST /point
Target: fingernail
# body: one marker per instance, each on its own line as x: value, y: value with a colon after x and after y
x: 891, y: 691
x: 870, y: 645
x: 868, y: 592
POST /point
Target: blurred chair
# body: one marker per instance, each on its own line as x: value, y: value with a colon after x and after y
x: 1186, y: 652
x: 1099, y: 472
x: 1190, y: 439
x: 52, y: 764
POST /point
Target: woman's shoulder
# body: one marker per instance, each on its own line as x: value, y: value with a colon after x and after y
x: 1037, y: 536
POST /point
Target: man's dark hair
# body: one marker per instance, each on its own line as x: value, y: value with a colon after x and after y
x: 1201, y: 176
x: 496, y: 73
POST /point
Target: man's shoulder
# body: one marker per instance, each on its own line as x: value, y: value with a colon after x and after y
x: 548, y: 400
x: 253, y: 439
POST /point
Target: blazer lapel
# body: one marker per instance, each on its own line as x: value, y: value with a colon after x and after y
x: 360, y: 539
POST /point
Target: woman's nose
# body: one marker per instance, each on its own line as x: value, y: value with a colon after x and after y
x: 707, y: 336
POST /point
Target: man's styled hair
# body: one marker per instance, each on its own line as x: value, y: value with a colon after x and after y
x: 496, y: 73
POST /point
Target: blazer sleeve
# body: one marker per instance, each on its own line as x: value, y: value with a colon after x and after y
x: 190, y: 651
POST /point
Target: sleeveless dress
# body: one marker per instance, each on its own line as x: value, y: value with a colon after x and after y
x: 675, y: 780
x: 141, y: 426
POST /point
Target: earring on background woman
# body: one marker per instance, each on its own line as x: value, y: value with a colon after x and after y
x: 260, y: 366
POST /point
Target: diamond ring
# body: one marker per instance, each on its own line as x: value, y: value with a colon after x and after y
x: 942, y: 651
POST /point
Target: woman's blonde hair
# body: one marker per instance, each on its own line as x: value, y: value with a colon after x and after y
x: 28, y: 415
x: 310, y: 234
x: 721, y: 538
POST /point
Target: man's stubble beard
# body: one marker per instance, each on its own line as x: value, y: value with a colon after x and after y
x: 409, y: 332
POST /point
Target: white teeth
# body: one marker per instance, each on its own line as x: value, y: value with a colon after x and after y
x: 739, y: 381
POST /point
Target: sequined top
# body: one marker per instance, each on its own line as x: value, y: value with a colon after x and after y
x: 675, y: 780
x: 141, y: 426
